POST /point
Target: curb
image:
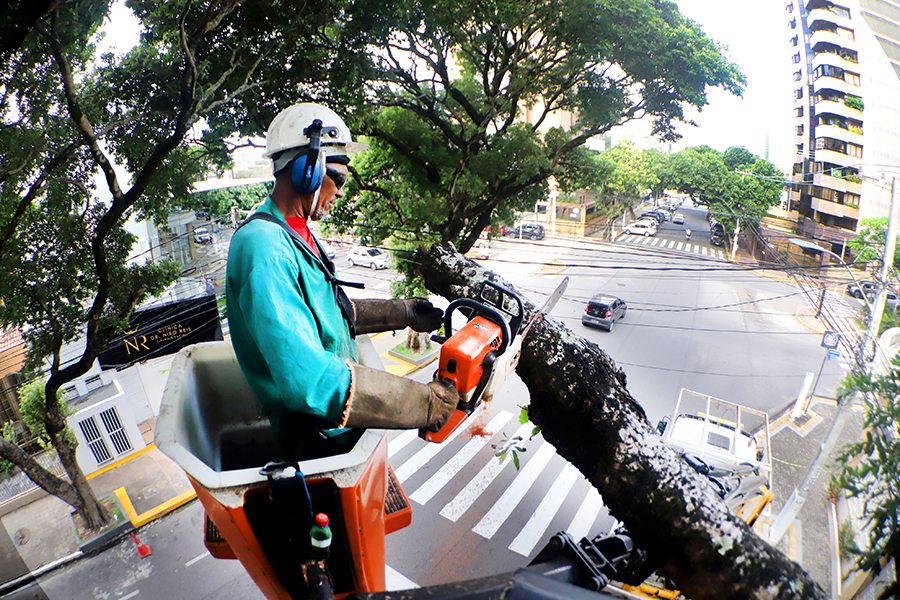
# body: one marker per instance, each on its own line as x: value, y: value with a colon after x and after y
x: 15, y: 584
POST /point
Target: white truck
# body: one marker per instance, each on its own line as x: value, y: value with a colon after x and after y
x: 729, y: 444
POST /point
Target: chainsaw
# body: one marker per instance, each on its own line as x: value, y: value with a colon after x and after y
x: 481, y: 356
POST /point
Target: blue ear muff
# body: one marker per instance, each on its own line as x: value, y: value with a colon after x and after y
x: 308, y: 173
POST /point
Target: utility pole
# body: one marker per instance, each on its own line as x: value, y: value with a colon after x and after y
x: 887, y: 263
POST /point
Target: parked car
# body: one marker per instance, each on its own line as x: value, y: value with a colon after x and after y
x: 530, y: 231
x: 716, y: 240
x: 678, y: 219
x: 655, y: 215
x: 202, y: 236
x: 367, y: 257
x: 479, y: 252
x: 329, y: 248
x: 603, y: 310
x: 870, y: 290
x: 643, y: 228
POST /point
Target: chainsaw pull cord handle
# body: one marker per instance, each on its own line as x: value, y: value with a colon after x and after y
x: 481, y: 310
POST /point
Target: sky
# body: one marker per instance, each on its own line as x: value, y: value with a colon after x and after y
x: 757, y: 40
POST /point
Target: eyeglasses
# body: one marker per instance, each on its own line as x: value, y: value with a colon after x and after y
x: 337, y: 177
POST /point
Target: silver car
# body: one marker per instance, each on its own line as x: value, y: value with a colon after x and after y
x: 603, y: 310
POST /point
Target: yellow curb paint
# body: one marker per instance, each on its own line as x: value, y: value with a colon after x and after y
x: 164, y: 508
x: 112, y: 466
x: 400, y: 370
x: 127, y: 506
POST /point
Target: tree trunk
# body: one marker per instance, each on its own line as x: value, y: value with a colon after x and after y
x: 580, y: 402
x: 94, y: 514
x: 418, y: 342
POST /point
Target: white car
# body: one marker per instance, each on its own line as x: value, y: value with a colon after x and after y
x: 202, y: 236
x: 678, y: 219
x: 367, y: 257
x: 644, y: 228
x: 329, y: 248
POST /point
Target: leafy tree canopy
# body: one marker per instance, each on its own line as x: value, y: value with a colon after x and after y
x: 465, y: 99
x: 870, y: 468
x: 868, y: 246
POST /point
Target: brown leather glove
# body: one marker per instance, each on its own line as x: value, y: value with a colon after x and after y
x: 373, y: 316
x: 380, y: 399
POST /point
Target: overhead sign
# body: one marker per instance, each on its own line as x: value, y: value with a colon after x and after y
x: 164, y: 329
x: 830, y: 339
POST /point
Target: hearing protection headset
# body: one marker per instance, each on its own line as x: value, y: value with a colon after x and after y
x: 308, y: 171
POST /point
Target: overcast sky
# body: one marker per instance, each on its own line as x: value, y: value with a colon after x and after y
x: 756, y: 35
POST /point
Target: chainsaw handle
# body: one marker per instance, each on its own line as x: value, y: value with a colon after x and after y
x: 481, y: 310
x: 515, y: 319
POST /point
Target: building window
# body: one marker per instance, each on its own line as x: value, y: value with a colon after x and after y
x: 795, y: 40
x: 789, y: 8
x: 828, y: 71
x: 798, y: 75
x: 798, y: 112
x: 792, y: 24
x: 832, y: 145
x: 851, y: 78
x: 798, y: 93
x: 854, y: 150
x: 845, y: 33
x: 799, y: 148
x: 839, y: 11
x: 798, y: 130
x: 796, y: 58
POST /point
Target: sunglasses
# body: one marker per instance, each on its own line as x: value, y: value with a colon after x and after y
x: 336, y: 176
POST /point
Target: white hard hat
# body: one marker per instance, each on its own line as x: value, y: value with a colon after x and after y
x: 287, y: 131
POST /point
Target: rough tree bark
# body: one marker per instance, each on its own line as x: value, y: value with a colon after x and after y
x: 580, y: 402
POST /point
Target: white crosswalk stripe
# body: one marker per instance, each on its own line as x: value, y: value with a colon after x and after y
x: 443, y: 476
x: 546, y: 510
x: 501, y: 510
x: 467, y: 496
x: 410, y: 456
x: 676, y: 245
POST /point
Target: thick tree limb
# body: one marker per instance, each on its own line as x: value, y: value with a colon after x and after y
x: 580, y: 402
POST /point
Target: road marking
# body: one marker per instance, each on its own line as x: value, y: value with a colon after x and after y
x: 431, y: 449
x: 131, y: 595
x: 539, y: 522
x: 199, y: 558
x: 467, y: 496
x: 587, y: 513
x: 500, y: 511
x: 395, y: 581
x: 453, y: 466
x: 398, y: 443
x: 680, y: 246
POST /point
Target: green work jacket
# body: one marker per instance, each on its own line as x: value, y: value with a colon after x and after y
x: 288, y: 333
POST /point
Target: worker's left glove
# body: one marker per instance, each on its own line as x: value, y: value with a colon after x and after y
x: 373, y: 316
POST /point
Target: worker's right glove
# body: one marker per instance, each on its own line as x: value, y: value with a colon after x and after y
x: 382, y: 400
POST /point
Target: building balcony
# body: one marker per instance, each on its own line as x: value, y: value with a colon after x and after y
x: 823, y: 15
x: 837, y: 108
x: 839, y: 133
x: 827, y: 84
x: 837, y: 158
x: 824, y: 38
x: 836, y: 183
x: 835, y: 60
x: 835, y: 209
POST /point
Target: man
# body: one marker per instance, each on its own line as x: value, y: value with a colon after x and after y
x: 291, y: 325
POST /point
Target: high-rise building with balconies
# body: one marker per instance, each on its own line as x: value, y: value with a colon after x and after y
x: 846, y: 57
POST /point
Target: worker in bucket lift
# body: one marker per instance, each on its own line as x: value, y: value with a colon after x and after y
x: 292, y: 326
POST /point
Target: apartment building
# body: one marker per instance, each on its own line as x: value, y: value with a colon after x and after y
x: 846, y: 60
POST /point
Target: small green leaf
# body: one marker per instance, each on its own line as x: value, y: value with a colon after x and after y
x: 523, y: 415
x: 516, y: 460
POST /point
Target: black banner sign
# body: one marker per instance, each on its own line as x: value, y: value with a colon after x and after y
x: 165, y: 329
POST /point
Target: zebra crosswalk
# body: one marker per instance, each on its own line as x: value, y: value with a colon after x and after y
x: 676, y: 245
x: 430, y: 473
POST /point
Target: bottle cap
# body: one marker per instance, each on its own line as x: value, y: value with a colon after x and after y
x: 322, y: 520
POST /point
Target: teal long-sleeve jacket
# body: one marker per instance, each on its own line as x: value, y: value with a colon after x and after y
x: 288, y: 333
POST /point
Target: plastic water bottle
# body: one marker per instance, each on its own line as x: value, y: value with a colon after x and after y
x: 320, y: 537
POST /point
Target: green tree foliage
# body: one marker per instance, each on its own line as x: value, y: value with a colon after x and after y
x: 70, y: 115
x: 463, y: 95
x: 870, y: 468
x: 734, y: 185
x: 868, y: 246
x: 219, y: 202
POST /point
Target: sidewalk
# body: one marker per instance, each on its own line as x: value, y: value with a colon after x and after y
x: 41, y: 534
